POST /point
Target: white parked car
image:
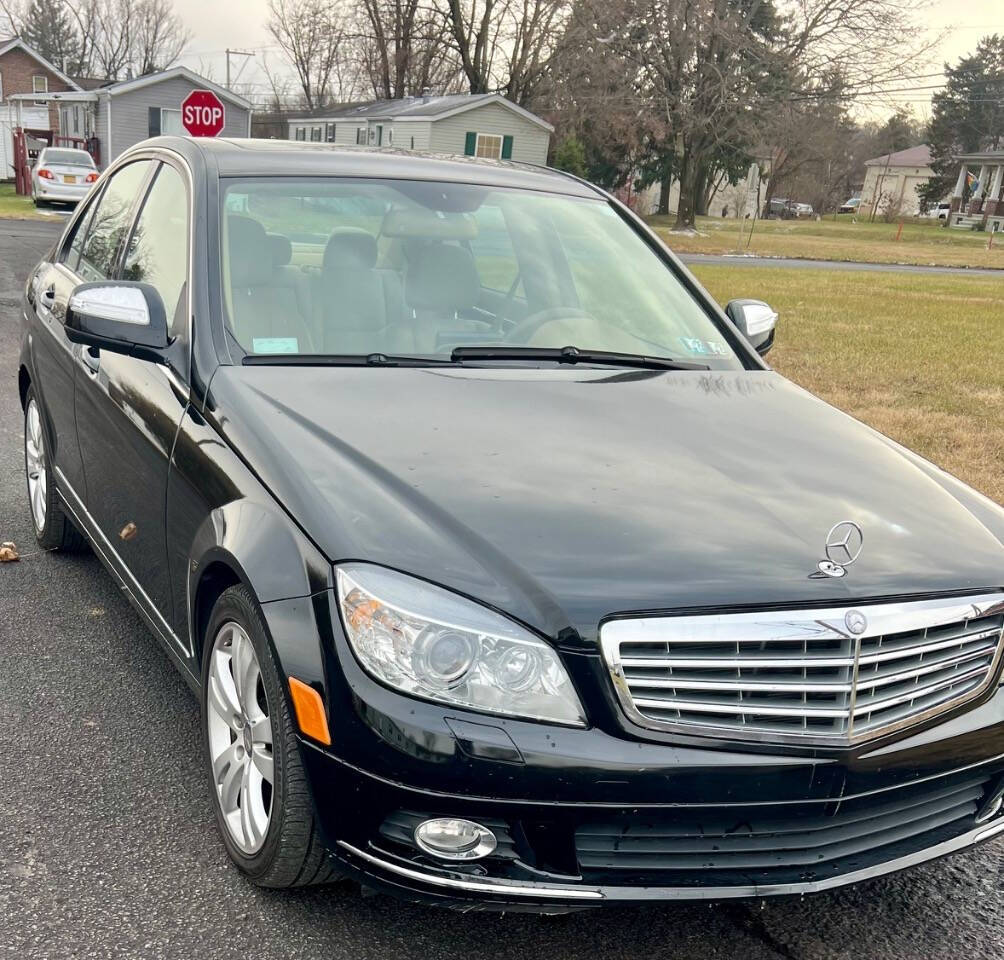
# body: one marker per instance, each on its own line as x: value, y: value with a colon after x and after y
x: 937, y: 211
x: 62, y: 174
x: 803, y: 210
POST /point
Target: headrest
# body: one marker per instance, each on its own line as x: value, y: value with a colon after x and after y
x: 252, y: 260
x: 428, y: 224
x: 282, y: 249
x: 350, y: 247
x: 442, y: 277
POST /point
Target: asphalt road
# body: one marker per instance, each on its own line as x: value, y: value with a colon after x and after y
x: 108, y: 848
x: 739, y: 260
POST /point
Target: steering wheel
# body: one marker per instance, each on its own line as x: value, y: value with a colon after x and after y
x: 525, y: 329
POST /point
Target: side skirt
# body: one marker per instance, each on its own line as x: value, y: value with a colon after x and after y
x: 178, y: 651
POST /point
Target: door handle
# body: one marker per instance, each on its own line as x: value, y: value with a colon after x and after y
x: 91, y: 359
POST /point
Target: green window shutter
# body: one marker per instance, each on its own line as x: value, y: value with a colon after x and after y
x: 153, y: 121
x: 470, y: 144
x: 507, y: 147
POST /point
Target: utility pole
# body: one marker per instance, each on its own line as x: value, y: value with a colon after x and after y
x: 237, y: 53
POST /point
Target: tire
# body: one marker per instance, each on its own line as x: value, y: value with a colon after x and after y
x: 53, y: 528
x: 290, y: 852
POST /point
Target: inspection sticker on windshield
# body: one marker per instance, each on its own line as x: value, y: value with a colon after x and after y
x: 275, y: 345
x: 703, y: 348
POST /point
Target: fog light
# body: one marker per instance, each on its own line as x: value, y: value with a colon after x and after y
x: 452, y: 839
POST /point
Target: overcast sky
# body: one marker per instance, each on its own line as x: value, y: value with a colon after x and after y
x: 218, y: 24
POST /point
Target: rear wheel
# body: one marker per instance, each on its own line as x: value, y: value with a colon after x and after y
x: 259, y: 789
x: 53, y: 529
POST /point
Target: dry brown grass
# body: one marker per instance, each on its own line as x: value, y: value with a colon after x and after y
x: 920, y: 358
x: 922, y: 242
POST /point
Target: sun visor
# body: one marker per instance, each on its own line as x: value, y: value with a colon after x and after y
x: 428, y: 225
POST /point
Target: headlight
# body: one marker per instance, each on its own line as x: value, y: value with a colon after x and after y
x: 428, y: 642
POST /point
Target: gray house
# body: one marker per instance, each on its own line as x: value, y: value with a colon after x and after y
x: 475, y: 125
x: 120, y: 114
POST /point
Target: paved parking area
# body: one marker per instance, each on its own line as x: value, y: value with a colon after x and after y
x: 108, y: 849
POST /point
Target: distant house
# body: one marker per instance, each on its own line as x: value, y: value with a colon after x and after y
x: 118, y: 114
x: 893, y: 181
x: 474, y: 125
x: 24, y: 71
x: 982, y: 177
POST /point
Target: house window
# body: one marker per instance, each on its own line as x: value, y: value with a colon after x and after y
x: 379, y: 135
x: 301, y: 133
x: 170, y: 123
x: 489, y: 146
x: 315, y: 134
x: 329, y: 132
x: 360, y: 136
x: 390, y: 137
x: 39, y: 84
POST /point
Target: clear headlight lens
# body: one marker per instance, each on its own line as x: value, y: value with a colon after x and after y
x: 431, y: 643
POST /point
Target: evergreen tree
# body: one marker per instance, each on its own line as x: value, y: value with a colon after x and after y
x: 968, y: 115
x: 49, y: 28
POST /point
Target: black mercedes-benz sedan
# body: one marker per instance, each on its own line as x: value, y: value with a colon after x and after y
x: 506, y: 571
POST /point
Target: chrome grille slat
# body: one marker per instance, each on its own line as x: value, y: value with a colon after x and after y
x: 801, y: 675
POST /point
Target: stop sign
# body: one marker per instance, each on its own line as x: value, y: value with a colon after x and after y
x: 202, y: 113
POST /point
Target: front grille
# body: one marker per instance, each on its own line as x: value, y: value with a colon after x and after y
x: 805, y: 675
x: 762, y: 844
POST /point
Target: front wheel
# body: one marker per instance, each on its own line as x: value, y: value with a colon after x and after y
x: 257, y: 782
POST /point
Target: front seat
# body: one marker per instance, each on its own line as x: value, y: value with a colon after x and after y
x: 265, y: 300
x: 441, y: 286
x: 358, y: 309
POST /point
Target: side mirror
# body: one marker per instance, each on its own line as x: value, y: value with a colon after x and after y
x: 119, y: 316
x: 756, y: 322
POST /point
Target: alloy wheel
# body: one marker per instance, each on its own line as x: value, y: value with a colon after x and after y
x: 240, y: 738
x: 35, y: 464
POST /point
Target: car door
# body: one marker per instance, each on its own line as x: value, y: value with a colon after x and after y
x: 127, y: 409
x: 54, y: 356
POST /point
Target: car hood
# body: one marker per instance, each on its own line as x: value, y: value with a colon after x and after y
x: 563, y: 496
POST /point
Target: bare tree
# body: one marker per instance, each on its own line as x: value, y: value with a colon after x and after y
x: 313, y: 37
x: 159, y: 36
x: 404, y: 48
x: 127, y: 38
x: 505, y: 45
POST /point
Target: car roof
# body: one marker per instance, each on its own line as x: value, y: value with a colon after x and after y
x: 249, y: 158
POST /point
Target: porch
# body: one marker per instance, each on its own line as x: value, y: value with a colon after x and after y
x: 981, y: 179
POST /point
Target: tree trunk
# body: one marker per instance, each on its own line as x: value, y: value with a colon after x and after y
x: 701, y: 192
x: 687, y: 207
x: 664, y: 189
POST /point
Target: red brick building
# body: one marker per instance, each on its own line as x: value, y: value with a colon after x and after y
x: 24, y: 70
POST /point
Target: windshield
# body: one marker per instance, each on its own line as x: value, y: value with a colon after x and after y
x: 360, y: 267
x: 76, y: 158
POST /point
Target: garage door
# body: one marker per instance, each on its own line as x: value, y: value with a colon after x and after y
x: 36, y: 118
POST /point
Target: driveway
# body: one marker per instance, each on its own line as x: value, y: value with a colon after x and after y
x: 108, y: 847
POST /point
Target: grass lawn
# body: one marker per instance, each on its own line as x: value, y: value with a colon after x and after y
x: 922, y: 241
x: 20, y: 208
x: 916, y: 357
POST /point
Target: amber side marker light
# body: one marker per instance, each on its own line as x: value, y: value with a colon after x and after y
x: 309, y: 711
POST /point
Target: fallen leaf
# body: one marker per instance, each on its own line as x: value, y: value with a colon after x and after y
x: 128, y: 531
x: 8, y: 552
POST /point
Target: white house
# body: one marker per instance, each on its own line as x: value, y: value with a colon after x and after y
x: 475, y: 125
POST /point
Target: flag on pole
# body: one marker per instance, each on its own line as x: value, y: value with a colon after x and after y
x: 972, y: 182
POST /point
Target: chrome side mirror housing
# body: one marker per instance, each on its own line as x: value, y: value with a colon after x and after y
x: 119, y: 316
x: 756, y: 321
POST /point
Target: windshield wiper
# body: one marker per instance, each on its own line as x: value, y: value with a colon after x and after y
x: 574, y: 355
x: 340, y: 360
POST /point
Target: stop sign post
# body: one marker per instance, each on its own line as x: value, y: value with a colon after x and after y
x: 202, y: 114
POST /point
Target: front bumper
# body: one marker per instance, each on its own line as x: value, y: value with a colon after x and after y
x: 540, y: 863
x: 614, y: 813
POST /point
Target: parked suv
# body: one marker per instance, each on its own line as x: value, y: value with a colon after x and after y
x: 505, y: 570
